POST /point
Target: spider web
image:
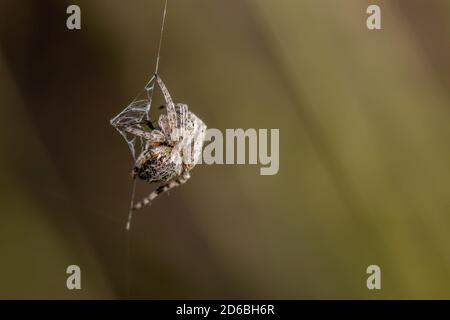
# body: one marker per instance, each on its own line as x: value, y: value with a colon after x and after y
x: 136, y: 115
x: 137, y: 111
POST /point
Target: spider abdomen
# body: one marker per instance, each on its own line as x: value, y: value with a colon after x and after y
x: 159, y: 164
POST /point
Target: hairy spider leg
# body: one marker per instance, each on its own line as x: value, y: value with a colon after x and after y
x: 161, y: 189
x: 171, y: 113
x: 138, y: 132
x: 182, y: 129
x: 183, y: 110
x: 198, y: 136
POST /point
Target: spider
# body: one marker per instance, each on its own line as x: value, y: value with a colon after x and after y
x: 170, y: 150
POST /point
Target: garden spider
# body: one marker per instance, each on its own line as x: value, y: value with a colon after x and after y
x: 169, y: 151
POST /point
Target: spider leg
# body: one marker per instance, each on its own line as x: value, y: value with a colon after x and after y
x: 183, y: 114
x: 182, y: 145
x: 199, y: 138
x: 171, y: 113
x: 164, y: 188
x: 138, y: 132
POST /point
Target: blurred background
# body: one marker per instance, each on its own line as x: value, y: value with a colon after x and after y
x: 364, y: 150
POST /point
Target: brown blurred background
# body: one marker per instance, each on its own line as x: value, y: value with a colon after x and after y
x: 364, y: 149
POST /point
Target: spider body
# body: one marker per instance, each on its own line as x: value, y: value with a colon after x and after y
x: 157, y: 164
x: 169, y: 151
